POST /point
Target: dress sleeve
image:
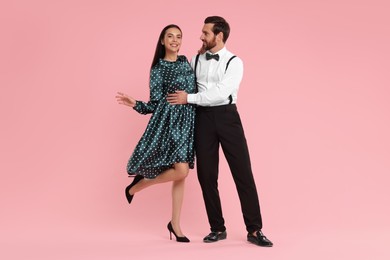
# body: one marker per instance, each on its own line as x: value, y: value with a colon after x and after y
x: 156, y: 94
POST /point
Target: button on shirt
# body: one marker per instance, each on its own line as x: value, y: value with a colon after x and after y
x: 214, y: 84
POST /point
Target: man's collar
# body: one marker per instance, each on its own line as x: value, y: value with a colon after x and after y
x: 221, y: 52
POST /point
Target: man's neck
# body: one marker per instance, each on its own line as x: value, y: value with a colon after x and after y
x: 217, y: 48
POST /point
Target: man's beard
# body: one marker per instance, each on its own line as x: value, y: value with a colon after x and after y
x: 209, y: 45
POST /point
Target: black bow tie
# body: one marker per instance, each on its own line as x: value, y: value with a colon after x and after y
x: 210, y: 56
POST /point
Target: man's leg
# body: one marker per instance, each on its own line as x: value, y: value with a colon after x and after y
x: 207, y: 159
x: 235, y: 148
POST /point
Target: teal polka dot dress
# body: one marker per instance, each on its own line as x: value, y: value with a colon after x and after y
x: 169, y: 135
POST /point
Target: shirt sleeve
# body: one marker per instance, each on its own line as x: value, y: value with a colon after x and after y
x: 155, y: 94
x: 219, y: 93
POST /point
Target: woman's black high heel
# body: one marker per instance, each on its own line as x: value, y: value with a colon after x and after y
x: 178, y: 239
x: 129, y: 197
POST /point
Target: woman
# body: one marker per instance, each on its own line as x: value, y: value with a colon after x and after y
x: 166, y: 149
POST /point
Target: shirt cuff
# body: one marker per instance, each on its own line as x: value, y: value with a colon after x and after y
x: 191, y: 98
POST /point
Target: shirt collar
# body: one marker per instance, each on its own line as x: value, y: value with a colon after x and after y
x: 221, y: 52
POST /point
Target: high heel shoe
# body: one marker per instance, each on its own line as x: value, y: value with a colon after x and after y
x: 129, y: 197
x: 178, y: 239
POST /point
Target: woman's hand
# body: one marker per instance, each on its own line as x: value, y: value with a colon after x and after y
x: 202, y: 50
x: 124, y: 99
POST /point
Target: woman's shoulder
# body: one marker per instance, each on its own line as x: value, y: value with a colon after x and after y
x: 182, y: 58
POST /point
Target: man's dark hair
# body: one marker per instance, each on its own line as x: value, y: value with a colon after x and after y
x: 220, y: 25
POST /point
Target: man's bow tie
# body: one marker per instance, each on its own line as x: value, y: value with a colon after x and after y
x: 210, y: 56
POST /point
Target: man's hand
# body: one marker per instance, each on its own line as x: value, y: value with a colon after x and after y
x: 177, y: 98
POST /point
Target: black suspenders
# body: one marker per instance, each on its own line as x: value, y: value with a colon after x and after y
x: 227, y: 65
x: 196, y: 64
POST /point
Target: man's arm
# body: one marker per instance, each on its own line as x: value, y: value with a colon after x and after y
x: 228, y: 85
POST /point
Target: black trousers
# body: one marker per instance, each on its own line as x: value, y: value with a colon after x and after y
x: 221, y: 125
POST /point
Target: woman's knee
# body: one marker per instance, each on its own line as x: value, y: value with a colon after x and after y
x: 182, y: 169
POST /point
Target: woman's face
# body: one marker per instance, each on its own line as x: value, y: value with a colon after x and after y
x: 172, y: 40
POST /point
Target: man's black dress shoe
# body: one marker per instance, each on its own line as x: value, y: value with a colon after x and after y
x: 214, y: 237
x: 259, y: 239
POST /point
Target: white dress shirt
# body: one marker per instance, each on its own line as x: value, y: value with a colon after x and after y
x: 214, y: 85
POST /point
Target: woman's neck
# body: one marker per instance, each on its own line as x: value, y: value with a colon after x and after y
x: 170, y: 56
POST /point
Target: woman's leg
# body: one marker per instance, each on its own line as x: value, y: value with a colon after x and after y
x: 178, y: 172
x: 177, y: 175
x: 177, y: 197
x: 177, y: 202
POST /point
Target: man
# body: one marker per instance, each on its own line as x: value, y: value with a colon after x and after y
x: 219, y: 73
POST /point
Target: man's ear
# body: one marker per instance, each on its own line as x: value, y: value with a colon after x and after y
x: 220, y: 36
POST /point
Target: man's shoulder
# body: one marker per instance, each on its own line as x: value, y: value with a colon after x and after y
x: 232, y: 58
x: 230, y: 55
x: 195, y: 55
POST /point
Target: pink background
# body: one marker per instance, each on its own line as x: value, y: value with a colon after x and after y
x: 314, y: 103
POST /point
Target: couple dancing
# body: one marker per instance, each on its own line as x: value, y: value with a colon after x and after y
x: 193, y: 108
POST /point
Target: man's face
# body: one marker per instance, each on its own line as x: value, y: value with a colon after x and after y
x: 208, y: 37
